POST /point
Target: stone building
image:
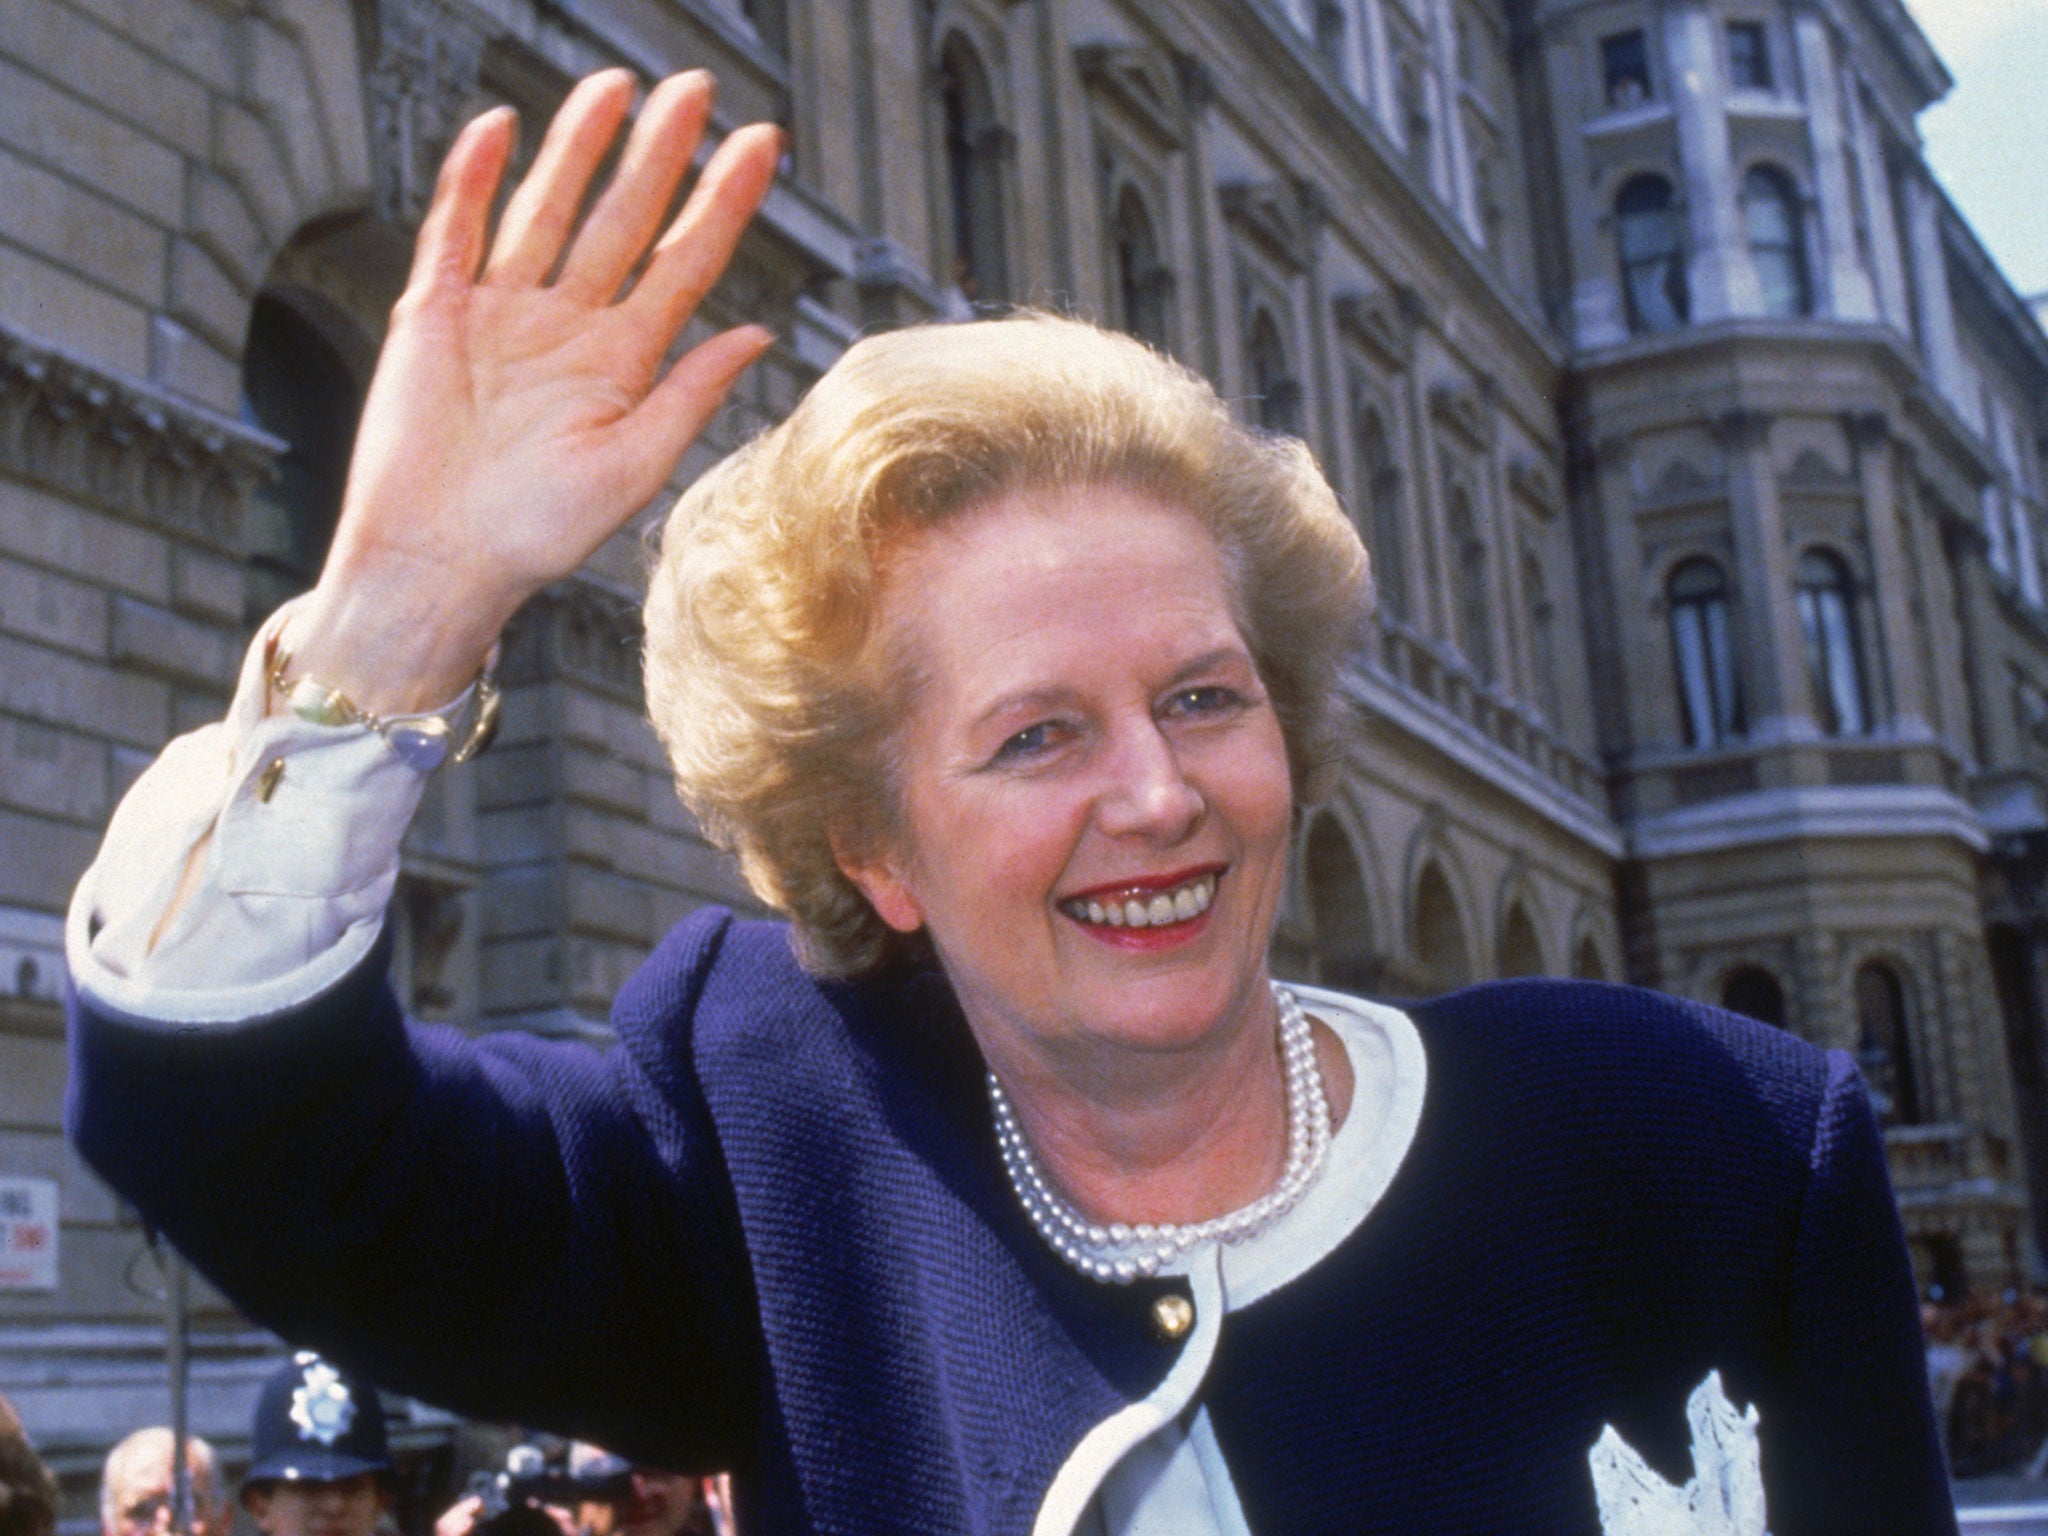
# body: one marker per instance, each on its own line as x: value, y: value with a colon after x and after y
x: 1697, y: 441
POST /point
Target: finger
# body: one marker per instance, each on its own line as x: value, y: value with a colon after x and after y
x: 629, y: 213
x: 537, y: 219
x: 653, y: 439
x: 451, y: 239
x: 696, y: 247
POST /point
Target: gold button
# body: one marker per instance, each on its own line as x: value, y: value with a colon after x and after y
x: 266, y: 782
x: 1172, y: 1316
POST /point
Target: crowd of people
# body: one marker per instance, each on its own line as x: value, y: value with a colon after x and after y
x: 1987, y: 1363
x: 320, y: 1464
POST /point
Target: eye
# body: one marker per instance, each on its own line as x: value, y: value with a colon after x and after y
x: 1031, y: 742
x: 1204, y: 699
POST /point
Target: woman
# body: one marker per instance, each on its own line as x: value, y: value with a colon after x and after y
x: 1027, y: 1202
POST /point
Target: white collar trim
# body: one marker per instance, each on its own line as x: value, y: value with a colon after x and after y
x: 1389, y: 1075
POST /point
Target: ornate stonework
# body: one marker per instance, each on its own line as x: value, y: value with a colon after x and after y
x: 126, y: 446
x: 420, y: 89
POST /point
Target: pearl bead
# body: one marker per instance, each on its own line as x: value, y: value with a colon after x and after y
x: 1107, y: 1252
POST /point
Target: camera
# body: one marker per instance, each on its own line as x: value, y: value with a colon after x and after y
x: 538, y: 1477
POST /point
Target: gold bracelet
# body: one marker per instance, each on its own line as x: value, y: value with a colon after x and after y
x: 456, y: 732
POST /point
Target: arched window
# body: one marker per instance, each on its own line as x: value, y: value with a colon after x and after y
x: 1474, y: 616
x: 974, y: 154
x: 1336, y: 896
x: 1752, y: 990
x: 1274, y: 389
x: 1415, y: 115
x: 1884, y: 1045
x: 1587, y: 964
x: 1329, y: 31
x: 1440, y: 933
x: 295, y: 386
x: 1520, y: 952
x: 1770, y: 210
x: 1649, y: 234
x: 1704, y: 654
x: 1379, y: 478
x: 1543, y: 637
x: 1144, y: 287
x: 1834, y: 659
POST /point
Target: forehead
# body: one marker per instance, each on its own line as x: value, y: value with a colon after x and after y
x: 146, y: 1469
x: 1034, y: 578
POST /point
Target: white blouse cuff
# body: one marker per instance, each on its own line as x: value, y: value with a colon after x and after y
x: 296, y: 828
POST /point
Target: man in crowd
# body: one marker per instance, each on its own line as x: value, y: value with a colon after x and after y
x: 590, y: 1492
x: 650, y: 1502
x: 318, y: 1461
x: 136, y: 1493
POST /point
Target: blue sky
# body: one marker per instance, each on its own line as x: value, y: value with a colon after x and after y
x: 1988, y: 141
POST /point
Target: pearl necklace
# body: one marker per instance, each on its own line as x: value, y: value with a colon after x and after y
x: 1119, y: 1253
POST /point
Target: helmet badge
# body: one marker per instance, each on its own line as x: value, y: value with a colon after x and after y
x: 321, y: 1405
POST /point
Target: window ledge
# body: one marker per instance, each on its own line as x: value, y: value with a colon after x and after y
x: 1625, y: 120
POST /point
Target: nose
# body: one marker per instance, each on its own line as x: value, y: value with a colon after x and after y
x: 1147, y: 792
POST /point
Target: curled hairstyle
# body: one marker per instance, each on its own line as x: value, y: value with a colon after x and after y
x: 765, y: 680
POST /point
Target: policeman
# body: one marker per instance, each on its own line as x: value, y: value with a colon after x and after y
x: 319, y: 1465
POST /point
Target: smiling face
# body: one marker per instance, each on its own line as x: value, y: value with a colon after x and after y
x: 1093, y: 788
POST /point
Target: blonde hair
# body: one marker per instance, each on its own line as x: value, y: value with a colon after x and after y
x: 763, y: 678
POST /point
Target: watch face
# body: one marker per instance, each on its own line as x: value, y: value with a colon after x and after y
x: 422, y: 742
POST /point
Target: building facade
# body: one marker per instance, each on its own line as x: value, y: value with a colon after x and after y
x: 1697, y: 442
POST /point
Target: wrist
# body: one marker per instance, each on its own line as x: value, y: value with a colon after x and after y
x: 423, y: 739
x: 390, y: 654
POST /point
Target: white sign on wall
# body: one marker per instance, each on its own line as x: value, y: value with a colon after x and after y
x: 28, y: 1234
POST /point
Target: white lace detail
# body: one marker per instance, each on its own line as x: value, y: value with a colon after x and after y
x: 1725, y: 1496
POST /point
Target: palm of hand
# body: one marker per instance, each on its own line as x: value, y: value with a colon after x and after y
x: 519, y: 414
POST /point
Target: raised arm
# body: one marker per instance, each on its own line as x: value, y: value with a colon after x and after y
x: 523, y: 408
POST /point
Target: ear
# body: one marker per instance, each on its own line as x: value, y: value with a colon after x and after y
x: 881, y: 880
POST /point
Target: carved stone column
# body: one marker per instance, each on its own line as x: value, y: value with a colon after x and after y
x: 1850, y: 295
x: 1899, y: 646
x: 1720, y: 276
x: 1598, y: 315
x: 1933, y: 308
x: 421, y: 88
x: 1773, y: 649
x: 1887, y: 267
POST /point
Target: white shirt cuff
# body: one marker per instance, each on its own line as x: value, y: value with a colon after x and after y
x: 301, y: 826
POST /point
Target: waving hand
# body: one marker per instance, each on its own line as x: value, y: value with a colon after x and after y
x: 520, y: 412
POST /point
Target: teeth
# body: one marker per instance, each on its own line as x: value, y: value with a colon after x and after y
x: 1183, y: 905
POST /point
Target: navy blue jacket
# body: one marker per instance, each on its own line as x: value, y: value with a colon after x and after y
x: 769, y: 1230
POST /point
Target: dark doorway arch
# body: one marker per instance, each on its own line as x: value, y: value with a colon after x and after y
x: 1752, y: 990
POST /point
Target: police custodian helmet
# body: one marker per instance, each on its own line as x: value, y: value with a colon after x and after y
x: 316, y: 1423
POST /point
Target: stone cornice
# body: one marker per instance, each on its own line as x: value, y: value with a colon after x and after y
x: 1872, y: 813
x: 126, y: 446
